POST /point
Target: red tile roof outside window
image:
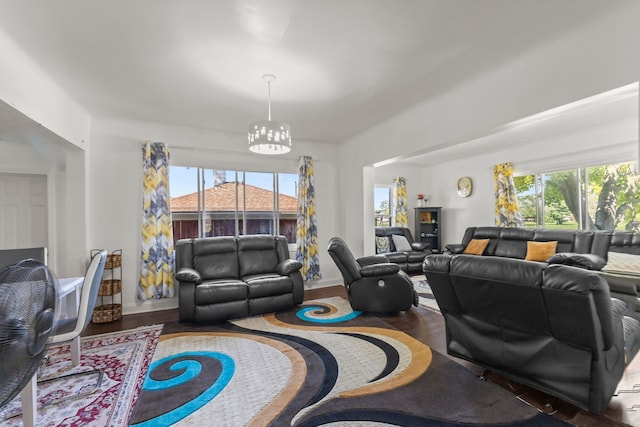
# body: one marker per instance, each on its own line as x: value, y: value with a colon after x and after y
x: 222, y: 198
x: 220, y: 208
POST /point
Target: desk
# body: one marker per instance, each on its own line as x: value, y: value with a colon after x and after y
x: 69, y: 298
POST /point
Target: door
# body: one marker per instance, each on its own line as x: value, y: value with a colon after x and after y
x: 23, y: 211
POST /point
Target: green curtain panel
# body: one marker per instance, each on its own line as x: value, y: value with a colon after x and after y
x: 400, y: 202
x: 307, y: 227
x: 157, y: 255
x: 507, y: 212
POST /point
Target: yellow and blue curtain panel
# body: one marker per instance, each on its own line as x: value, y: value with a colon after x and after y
x: 507, y: 212
x: 400, y: 202
x: 307, y: 226
x: 157, y: 255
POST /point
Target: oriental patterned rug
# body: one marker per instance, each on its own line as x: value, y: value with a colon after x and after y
x: 124, y: 358
x: 319, y: 364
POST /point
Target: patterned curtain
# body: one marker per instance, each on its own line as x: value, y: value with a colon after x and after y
x: 307, y: 227
x: 157, y: 256
x: 400, y: 202
x: 507, y: 212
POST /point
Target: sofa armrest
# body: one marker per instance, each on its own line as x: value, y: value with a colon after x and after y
x: 421, y: 246
x: 186, y: 274
x: 288, y: 266
x: 371, y: 260
x: 384, y: 269
x: 455, y: 248
x: 587, y: 261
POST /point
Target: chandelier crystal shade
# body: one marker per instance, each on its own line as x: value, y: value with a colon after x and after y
x: 269, y: 137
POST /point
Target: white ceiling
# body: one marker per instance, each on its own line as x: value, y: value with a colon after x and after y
x: 342, y: 65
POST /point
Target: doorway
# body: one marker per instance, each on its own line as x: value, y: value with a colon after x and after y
x: 23, y: 211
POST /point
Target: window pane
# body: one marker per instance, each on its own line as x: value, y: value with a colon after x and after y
x: 220, y: 203
x: 184, y: 201
x: 613, y: 197
x: 526, y: 195
x: 258, y: 199
x: 382, y: 205
x: 561, y: 200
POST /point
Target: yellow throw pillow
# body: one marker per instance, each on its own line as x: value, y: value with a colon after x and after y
x: 476, y: 246
x: 540, y: 251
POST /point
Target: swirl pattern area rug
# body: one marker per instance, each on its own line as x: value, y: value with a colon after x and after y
x: 319, y: 364
x: 123, y: 357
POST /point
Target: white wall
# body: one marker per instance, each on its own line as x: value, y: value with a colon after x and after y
x: 594, y: 144
x: 115, y: 179
x: 593, y: 59
x: 28, y: 89
x: 63, y: 164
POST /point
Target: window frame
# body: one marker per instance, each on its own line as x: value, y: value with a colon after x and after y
x: 204, y: 215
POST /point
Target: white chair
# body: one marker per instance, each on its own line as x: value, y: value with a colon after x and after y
x: 69, y: 329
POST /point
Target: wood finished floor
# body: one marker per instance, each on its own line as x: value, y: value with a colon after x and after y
x: 428, y: 327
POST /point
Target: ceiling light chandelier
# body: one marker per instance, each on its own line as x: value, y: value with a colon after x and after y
x: 269, y: 137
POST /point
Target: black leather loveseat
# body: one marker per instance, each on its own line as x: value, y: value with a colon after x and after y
x: 226, y: 277
x: 552, y: 327
x: 409, y: 260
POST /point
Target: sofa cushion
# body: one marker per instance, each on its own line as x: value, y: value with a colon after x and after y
x: 217, y: 291
x: 401, y: 243
x: 257, y: 254
x: 513, y: 242
x: 264, y: 285
x: 415, y: 256
x: 397, y: 257
x: 383, y: 245
x: 216, y: 258
x: 476, y: 246
x: 540, y: 251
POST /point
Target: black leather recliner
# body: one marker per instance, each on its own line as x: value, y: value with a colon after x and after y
x: 372, y: 283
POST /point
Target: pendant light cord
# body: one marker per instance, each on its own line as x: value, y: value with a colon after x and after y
x: 269, y: 98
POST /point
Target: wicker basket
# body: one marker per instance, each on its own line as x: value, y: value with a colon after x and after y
x: 107, y: 313
x: 113, y: 261
x: 110, y: 287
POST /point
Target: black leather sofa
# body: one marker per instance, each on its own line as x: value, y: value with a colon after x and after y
x: 556, y: 325
x: 372, y: 283
x: 220, y: 278
x: 409, y: 261
x: 585, y: 249
x: 552, y: 327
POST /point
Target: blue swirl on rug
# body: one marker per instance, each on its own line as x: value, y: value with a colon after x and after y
x: 303, y: 315
x: 184, y: 382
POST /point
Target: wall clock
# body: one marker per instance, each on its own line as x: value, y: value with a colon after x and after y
x: 464, y: 186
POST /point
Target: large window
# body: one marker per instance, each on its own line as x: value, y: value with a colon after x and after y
x: 382, y: 206
x: 603, y: 197
x: 207, y: 202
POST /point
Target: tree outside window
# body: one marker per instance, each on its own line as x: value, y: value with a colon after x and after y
x: 603, y: 197
x: 382, y: 206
